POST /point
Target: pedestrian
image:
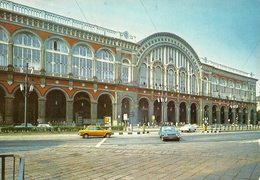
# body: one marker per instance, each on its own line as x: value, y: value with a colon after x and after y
x: 143, y: 128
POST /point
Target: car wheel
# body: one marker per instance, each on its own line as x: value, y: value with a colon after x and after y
x: 189, y: 130
x: 85, y: 136
x: 107, y: 135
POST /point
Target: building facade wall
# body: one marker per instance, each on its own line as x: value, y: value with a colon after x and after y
x: 83, y: 77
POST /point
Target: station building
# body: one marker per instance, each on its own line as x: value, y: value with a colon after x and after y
x: 76, y: 72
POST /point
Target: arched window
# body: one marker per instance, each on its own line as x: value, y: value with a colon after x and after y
x: 244, y: 89
x: 158, y: 76
x: 82, y: 61
x: 214, y: 86
x: 26, y: 50
x: 230, y: 88
x: 182, y: 82
x: 125, y: 74
x: 3, y: 48
x: 105, y: 65
x: 237, y: 90
x: 56, y: 57
x: 205, y: 86
x: 143, y: 74
x: 222, y: 87
x: 171, y: 79
x: 193, y: 84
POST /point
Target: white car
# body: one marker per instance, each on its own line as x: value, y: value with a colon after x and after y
x: 44, y: 126
x: 188, y: 128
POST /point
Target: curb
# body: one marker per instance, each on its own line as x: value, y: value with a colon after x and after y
x: 130, y: 133
x: 211, y: 131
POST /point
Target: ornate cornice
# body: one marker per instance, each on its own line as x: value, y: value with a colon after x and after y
x: 221, y: 72
x: 63, y: 30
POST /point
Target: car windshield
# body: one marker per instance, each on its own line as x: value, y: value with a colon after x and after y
x: 168, y: 129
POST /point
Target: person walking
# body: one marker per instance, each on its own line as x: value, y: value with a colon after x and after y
x: 143, y: 128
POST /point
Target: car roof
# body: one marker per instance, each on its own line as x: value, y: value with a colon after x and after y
x: 168, y: 127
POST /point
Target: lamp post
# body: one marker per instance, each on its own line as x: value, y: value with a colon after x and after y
x: 25, y: 87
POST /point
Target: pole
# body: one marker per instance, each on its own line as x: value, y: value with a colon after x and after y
x: 25, y: 96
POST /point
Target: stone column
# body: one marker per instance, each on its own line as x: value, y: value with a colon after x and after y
x: 93, y: 112
x: 226, y: 116
x: 233, y: 120
x: 177, y: 113
x: 69, y: 63
x: 188, y: 115
x: 9, y: 106
x: 134, y: 117
x: 10, y: 53
x: 218, y: 116
x: 42, y: 59
x: 150, y: 112
x: 240, y: 116
x: 209, y: 112
x: 69, y: 111
x: 42, y: 109
x: 198, y: 116
x: 164, y: 112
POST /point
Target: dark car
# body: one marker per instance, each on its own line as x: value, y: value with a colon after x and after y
x: 29, y: 125
x: 169, y: 133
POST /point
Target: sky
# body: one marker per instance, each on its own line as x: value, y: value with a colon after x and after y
x: 224, y: 31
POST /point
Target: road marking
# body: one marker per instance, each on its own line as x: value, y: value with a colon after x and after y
x: 101, y: 142
x: 252, y: 141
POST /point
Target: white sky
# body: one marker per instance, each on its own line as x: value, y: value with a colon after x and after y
x: 224, y: 31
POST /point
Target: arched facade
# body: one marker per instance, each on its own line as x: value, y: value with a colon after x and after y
x: 82, y: 77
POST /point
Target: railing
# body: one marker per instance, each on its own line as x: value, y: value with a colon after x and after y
x: 230, y: 127
x: 22, y: 9
x: 20, y: 174
x: 226, y: 68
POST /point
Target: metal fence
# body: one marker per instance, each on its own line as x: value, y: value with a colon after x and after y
x: 15, y: 171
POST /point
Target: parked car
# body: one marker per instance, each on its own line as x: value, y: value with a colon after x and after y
x: 195, y: 125
x: 188, y: 128
x: 93, y: 130
x: 169, y: 133
x: 29, y: 125
x: 46, y: 126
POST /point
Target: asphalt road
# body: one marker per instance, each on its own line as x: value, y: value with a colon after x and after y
x: 197, y: 155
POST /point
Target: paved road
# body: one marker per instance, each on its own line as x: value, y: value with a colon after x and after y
x: 197, y: 156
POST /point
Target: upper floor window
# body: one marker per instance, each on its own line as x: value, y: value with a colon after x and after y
x: 214, y: 85
x: 26, y: 50
x: 3, y: 48
x: 230, y: 88
x: 143, y: 74
x: 105, y: 65
x: 244, y: 91
x: 125, y: 71
x: 158, y: 76
x: 82, y: 61
x: 205, y: 86
x: 222, y: 87
x: 105, y: 55
x: 56, y: 57
x: 171, y: 79
x: 193, y: 84
x: 182, y: 82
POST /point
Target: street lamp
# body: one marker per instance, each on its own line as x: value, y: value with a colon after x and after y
x: 25, y: 87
